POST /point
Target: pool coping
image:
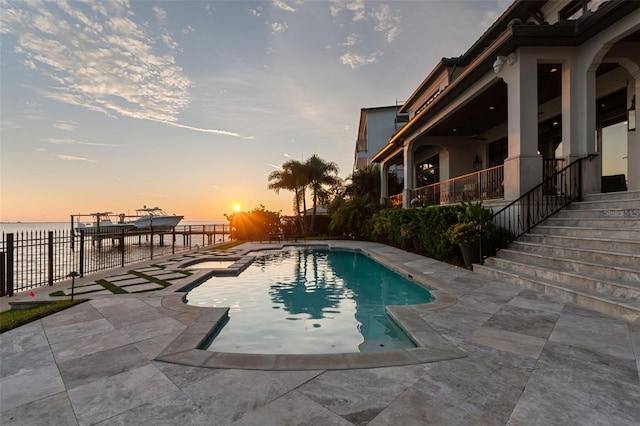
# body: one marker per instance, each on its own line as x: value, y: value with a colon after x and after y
x: 431, y: 345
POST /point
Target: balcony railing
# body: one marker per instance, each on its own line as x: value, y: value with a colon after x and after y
x: 482, y: 185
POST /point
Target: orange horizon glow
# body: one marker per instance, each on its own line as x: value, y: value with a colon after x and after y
x: 58, y: 207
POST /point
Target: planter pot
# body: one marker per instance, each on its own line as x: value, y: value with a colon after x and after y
x: 470, y: 253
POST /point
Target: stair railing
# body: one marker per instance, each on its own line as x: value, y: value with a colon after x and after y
x: 538, y: 204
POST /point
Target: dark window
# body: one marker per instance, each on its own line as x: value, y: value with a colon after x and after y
x: 498, y: 152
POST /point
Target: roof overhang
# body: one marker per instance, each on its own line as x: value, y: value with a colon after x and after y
x: 566, y: 33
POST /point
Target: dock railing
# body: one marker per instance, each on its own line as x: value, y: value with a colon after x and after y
x: 34, y: 259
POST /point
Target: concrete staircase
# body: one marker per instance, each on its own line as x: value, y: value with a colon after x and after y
x: 587, y: 253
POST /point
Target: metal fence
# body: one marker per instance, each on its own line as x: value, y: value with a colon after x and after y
x: 481, y: 185
x: 37, y: 258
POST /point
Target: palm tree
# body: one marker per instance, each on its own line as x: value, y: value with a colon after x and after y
x: 357, y: 204
x: 365, y: 183
x: 292, y: 178
x: 321, y: 174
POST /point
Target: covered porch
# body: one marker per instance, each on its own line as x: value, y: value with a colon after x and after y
x: 520, y: 110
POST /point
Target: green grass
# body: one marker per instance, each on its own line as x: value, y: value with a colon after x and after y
x: 15, y: 318
x: 228, y: 245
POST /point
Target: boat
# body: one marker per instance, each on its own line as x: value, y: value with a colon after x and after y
x: 101, y: 223
x: 148, y: 217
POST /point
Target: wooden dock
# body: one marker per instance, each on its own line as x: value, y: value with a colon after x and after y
x: 211, y: 234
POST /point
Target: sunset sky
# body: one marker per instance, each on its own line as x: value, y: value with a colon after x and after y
x: 189, y: 105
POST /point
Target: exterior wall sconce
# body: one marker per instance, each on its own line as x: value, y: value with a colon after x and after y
x: 501, y: 60
x: 631, y: 118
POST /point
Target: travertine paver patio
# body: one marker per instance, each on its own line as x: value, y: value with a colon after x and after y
x: 526, y: 358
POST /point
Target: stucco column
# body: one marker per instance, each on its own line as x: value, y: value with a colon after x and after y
x: 384, y: 183
x: 523, y: 166
x: 633, y: 146
x: 408, y: 175
x: 579, y: 119
x: 578, y: 109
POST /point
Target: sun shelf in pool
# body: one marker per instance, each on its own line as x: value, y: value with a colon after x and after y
x: 302, y: 301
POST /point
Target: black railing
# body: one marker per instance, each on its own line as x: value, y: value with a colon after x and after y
x: 484, y: 184
x: 38, y: 258
x: 555, y: 192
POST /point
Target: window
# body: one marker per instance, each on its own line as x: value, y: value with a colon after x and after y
x: 498, y: 152
x: 428, y: 172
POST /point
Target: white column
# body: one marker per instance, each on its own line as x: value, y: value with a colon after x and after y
x: 633, y: 147
x: 408, y: 175
x: 579, y: 119
x: 384, y: 183
x: 523, y: 167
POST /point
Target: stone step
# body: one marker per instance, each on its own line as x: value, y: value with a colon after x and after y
x: 612, y: 196
x: 614, y: 287
x: 632, y: 205
x: 594, y: 270
x: 630, y: 259
x: 605, y: 303
x: 598, y: 214
x: 605, y: 222
x: 611, y: 245
x: 586, y: 232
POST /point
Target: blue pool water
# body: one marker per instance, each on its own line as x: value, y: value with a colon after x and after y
x: 309, y: 301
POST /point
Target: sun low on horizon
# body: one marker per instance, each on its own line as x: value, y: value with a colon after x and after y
x: 237, y: 207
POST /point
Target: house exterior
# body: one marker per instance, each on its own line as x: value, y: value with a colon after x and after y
x: 375, y: 128
x: 548, y: 83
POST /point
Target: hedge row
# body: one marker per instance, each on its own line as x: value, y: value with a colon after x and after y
x: 421, y: 230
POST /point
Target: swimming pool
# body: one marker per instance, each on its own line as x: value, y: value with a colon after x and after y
x: 309, y: 301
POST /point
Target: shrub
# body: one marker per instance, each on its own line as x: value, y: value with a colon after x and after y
x: 422, y: 230
x: 254, y: 225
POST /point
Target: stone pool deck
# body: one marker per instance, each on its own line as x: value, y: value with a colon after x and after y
x: 495, y: 354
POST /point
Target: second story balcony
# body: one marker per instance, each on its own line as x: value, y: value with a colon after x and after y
x: 485, y: 184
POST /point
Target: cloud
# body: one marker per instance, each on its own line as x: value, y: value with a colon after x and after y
x: 65, y: 125
x: 203, y: 130
x: 351, y: 40
x: 72, y: 158
x: 282, y: 5
x: 354, y: 6
x: 188, y: 29
x: 387, y: 22
x: 99, y: 58
x: 11, y: 124
x: 354, y: 60
x: 256, y: 12
x: 69, y: 141
x: 278, y: 28
x: 275, y: 166
x: 161, y: 14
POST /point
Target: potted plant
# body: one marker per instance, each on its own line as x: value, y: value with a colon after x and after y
x: 473, y: 227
